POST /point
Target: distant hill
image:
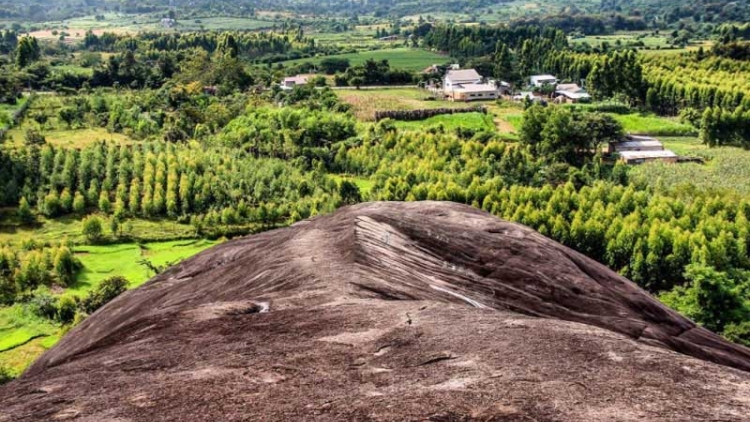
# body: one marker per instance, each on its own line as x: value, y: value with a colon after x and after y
x: 421, y: 311
x: 661, y: 11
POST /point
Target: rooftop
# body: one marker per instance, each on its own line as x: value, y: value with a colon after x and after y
x: 463, y: 75
x: 476, y: 88
x: 574, y: 95
x: 650, y: 143
x: 634, y: 155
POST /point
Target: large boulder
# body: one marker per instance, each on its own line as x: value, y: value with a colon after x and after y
x: 387, y: 311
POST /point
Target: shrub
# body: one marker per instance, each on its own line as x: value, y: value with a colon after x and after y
x: 105, y: 292
x: 34, y: 137
x: 66, y: 309
x: 92, y: 229
x: 43, y: 304
x: 5, y: 375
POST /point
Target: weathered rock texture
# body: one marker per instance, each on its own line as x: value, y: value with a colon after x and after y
x: 387, y: 311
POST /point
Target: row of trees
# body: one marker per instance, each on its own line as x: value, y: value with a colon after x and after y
x: 158, y: 180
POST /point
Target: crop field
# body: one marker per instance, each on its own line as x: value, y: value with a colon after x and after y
x: 651, y: 124
x: 77, y: 138
x: 648, y: 39
x: 399, y: 58
x: 367, y: 101
x: 726, y: 169
x: 450, y: 122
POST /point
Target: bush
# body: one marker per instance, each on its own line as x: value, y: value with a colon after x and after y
x: 105, y: 292
x: 66, y: 309
x: 5, y: 375
x: 34, y: 137
x: 43, y: 304
x: 92, y: 229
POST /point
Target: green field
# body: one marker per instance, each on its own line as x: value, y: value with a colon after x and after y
x: 364, y: 184
x: 651, y: 124
x: 69, y: 228
x: 101, y: 262
x: 24, y: 335
x: 726, y: 169
x: 399, y: 58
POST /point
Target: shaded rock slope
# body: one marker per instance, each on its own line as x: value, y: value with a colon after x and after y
x: 387, y: 311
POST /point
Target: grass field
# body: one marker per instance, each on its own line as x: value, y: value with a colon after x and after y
x: 101, y: 262
x: 399, y: 58
x: 364, y: 184
x: 726, y: 169
x: 650, y: 124
x: 69, y: 228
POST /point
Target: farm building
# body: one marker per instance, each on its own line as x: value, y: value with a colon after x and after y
x: 640, y: 157
x: 467, y: 85
x: 571, y: 94
x: 541, y: 80
x: 292, y: 81
x: 455, y: 78
x: 473, y: 92
x: 640, y: 149
x: 636, y: 143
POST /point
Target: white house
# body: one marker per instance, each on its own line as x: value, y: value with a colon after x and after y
x: 541, y: 80
x: 290, y: 82
x: 455, y: 78
x: 467, y: 85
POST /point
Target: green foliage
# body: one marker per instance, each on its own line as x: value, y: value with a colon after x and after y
x: 92, y: 229
x: 27, y: 52
x: 66, y: 309
x: 25, y: 214
x: 713, y: 299
x: 562, y: 135
x: 107, y: 290
x: 5, y: 375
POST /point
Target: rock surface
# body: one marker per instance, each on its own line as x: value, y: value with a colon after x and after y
x: 387, y: 311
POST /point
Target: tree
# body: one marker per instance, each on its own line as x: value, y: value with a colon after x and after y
x: 92, y: 229
x: 712, y: 299
x: 65, y: 266
x: 504, y: 63
x: 68, y: 115
x: 79, y: 203
x: 27, y: 51
x: 25, y: 214
x: 349, y: 193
